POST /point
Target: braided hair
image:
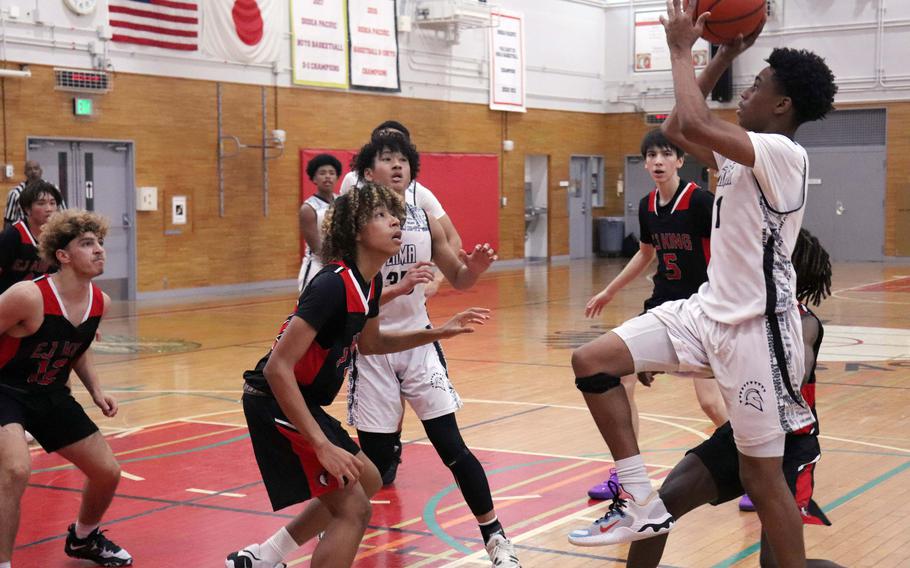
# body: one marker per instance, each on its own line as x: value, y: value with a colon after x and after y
x: 813, y: 269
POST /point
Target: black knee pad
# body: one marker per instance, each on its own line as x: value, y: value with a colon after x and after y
x: 597, y: 384
x: 382, y: 449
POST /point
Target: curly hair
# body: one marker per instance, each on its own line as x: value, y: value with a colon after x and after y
x: 65, y: 226
x: 806, y: 79
x: 391, y: 141
x: 322, y: 160
x: 813, y: 269
x: 348, y: 215
x: 34, y: 191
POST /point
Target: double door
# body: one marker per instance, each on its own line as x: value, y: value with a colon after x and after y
x: 98, y: 176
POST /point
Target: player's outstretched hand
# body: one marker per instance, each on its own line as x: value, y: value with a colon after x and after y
x: 106, y: 403
x: 420, y: 273
x: 463, y: 322
x: 682, y: 29
x: 479, y: 259
x: 340, y: 464
x: 596, y: 304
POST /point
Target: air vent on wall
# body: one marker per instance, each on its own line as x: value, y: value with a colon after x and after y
x: 82, y: 81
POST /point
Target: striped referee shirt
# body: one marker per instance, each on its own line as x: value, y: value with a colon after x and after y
x: 13, y: 210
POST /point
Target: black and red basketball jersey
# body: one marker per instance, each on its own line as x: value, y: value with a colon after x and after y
x: 41, y: 362
x: 19, y: 258
x: 808, y: 388
x: 336, y: 303
x: 680, y: 231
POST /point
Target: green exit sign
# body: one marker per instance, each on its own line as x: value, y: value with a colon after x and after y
x: 82, y: 107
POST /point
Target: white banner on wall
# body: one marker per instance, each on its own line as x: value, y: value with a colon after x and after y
x: 374, y: 44
x: 507, y: 62
x: 651, y: 51
x: 246, y: 31
x: 319, y: 45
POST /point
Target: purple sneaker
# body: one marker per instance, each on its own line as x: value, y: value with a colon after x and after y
x: 745, y: 504
x: 602, y: 491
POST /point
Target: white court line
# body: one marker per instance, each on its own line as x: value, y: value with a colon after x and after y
x: 380, y: 502
x: 651, y: 417
x: 127, y: 432
x: 131, y: 477
x: 546, y: 455
x: 209, y: 492
x: 185, y: 419
x: 472, y: 558
x: 214, y: 423
x: 870, y: 444
x: 515, y: 497
x: 237, y: 391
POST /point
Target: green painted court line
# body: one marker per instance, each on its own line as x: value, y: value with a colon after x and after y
x: 749, y: 551
x: 429, y: 510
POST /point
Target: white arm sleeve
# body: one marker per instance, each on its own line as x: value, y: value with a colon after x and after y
x: 781, y: 168
x: 428, y: 202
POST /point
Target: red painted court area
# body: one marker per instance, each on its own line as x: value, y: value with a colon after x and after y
x: 421, y: 519
x: 896, y: 285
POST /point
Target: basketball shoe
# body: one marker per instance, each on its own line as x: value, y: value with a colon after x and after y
x: 249, y: 557
x: 602, y: 491
x: 502, y: 552
x: 95, y: 547
x: 625, y: 521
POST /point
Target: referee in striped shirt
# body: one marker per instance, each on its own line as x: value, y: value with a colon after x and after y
x: 13, y: 210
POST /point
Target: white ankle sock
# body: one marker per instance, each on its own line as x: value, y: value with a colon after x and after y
x: 280, y: 545
x: 634, y: 477
x: 83, y: 531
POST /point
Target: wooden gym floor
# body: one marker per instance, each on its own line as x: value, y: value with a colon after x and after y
x: 191, y: 491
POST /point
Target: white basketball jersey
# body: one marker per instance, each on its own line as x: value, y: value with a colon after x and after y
x: 408, y: 312
x: 311, y: 263
x: 757, y: 215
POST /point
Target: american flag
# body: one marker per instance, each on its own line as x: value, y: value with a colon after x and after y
x: 169, y: 24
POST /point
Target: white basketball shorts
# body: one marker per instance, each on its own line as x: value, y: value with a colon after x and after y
x: 759, y: 365
x: 379, y: 382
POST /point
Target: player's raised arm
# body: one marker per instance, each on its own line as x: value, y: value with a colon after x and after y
x: 694, y: 124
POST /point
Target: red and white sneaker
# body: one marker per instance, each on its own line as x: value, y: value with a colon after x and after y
x: 627, y: 520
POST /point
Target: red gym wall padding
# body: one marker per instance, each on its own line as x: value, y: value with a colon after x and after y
x: 467, y: 185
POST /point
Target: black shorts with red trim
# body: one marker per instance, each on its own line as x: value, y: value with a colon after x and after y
x: 801, y: 454
x: 290, y: 471
x: 54, y: 418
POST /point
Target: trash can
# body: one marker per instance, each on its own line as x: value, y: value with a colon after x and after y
x: 610, y: 232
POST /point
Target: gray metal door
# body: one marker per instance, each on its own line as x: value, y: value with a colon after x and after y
x: 637, y: 183
x: 585, y: 176
x: 845, y: 208
x: 98, y: 176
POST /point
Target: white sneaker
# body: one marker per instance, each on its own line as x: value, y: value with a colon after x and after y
x: 502, y: 552
x: 626, y: 521
x: 249, y: 557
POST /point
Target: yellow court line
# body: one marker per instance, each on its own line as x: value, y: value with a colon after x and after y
x: 181, y: 440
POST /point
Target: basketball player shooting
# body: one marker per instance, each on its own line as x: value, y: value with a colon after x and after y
x: 744, y: 322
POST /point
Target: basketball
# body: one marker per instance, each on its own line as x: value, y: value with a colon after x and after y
x: 729, y: 18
